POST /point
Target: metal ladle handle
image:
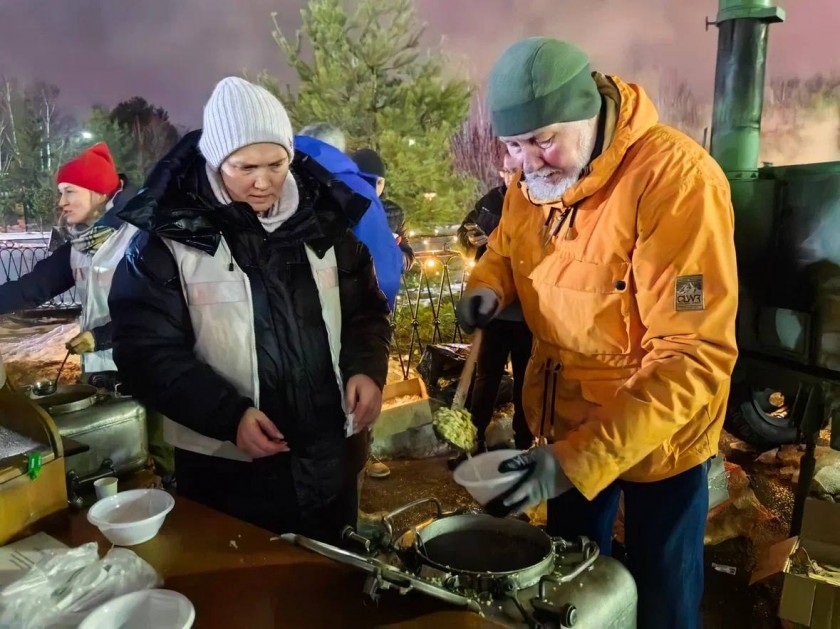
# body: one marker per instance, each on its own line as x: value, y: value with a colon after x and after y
x: 60, y: 369
x: 386, y: 519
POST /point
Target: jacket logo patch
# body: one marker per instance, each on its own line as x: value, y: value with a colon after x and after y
x: 688, y: 293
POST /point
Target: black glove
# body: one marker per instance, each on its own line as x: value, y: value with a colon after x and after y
x: 476, y: 309
x: 543, y: 479
x: 497, y: 507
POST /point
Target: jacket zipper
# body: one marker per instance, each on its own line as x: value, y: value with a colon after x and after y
x: 554, y: 224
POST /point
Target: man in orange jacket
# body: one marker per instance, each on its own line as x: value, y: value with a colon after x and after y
x: 617, y: 238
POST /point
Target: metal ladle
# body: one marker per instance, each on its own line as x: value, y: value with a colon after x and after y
x: 47, y: 387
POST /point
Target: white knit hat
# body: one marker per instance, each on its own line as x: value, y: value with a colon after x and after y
x: 240, y: 113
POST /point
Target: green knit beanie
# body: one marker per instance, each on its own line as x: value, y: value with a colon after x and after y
x: 537, y: 82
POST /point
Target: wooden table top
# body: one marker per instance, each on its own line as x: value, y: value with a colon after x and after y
x: 236, y: 576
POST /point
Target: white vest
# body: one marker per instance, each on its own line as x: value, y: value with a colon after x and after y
x: 222, y: 315
x: 93, y: 276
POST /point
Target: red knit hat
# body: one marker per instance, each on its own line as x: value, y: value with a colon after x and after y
x: 93, y: 170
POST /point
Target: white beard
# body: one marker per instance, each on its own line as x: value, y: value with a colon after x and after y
x: 541, y: 190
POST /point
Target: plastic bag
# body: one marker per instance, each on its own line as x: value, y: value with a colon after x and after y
x: 440, y: 368
x: 63, y: 589
x: 718, y: 480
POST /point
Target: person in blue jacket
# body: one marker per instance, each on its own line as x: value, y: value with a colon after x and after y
x: 372, y: 229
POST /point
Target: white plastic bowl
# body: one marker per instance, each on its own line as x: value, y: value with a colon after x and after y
x: 480, y: 475
x: 147, y: 609
x: 131, y: 517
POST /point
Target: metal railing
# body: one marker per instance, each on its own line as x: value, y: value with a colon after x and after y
x: 424, y: 313
x: 19, y: 253
x: 425, y: 309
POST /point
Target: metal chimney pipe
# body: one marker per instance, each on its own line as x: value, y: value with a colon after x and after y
x: 739, y: 83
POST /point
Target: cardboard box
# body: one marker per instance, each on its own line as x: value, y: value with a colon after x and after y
x: 405, y: 430
x: 399, y: 418
x: 808, y: 602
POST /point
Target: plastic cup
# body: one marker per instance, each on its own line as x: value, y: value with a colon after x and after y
x: 105, y: 487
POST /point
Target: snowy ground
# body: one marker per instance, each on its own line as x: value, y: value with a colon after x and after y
x: 33, y: 350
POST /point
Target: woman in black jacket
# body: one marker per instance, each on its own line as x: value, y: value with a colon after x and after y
x: 250, y: 316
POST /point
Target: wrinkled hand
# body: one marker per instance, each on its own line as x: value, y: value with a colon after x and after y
x: 476, y: 237
x: 476, y: 309
x: 544, y: 479
x: 82, y: 343
x: 257, y: 435
x: 364, y: 401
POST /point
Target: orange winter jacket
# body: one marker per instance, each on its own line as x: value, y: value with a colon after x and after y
x: 632, y: 304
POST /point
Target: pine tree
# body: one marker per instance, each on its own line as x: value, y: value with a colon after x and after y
x: 138, y: 134
x: 102, y: 128
x: 367, y: 73
x: 149, y: 127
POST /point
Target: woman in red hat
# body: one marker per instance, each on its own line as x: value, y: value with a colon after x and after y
x: 91, y: 194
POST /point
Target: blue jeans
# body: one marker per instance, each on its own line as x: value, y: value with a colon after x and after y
x: 664, y: 523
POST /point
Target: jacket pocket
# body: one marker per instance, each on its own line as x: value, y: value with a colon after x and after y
x: 584, y: 307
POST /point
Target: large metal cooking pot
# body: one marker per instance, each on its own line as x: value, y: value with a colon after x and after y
x: 510, y: 572
x: 480, y: 545
x: 480, y: 552
x: 68, y: 398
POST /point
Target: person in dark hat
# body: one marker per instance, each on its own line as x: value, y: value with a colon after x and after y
x: 372, y: 168
x: 507, y: 336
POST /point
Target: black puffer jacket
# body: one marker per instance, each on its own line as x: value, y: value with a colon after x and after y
x: 396, y: 223
x: 486, y: 214
x: 153, y: 336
